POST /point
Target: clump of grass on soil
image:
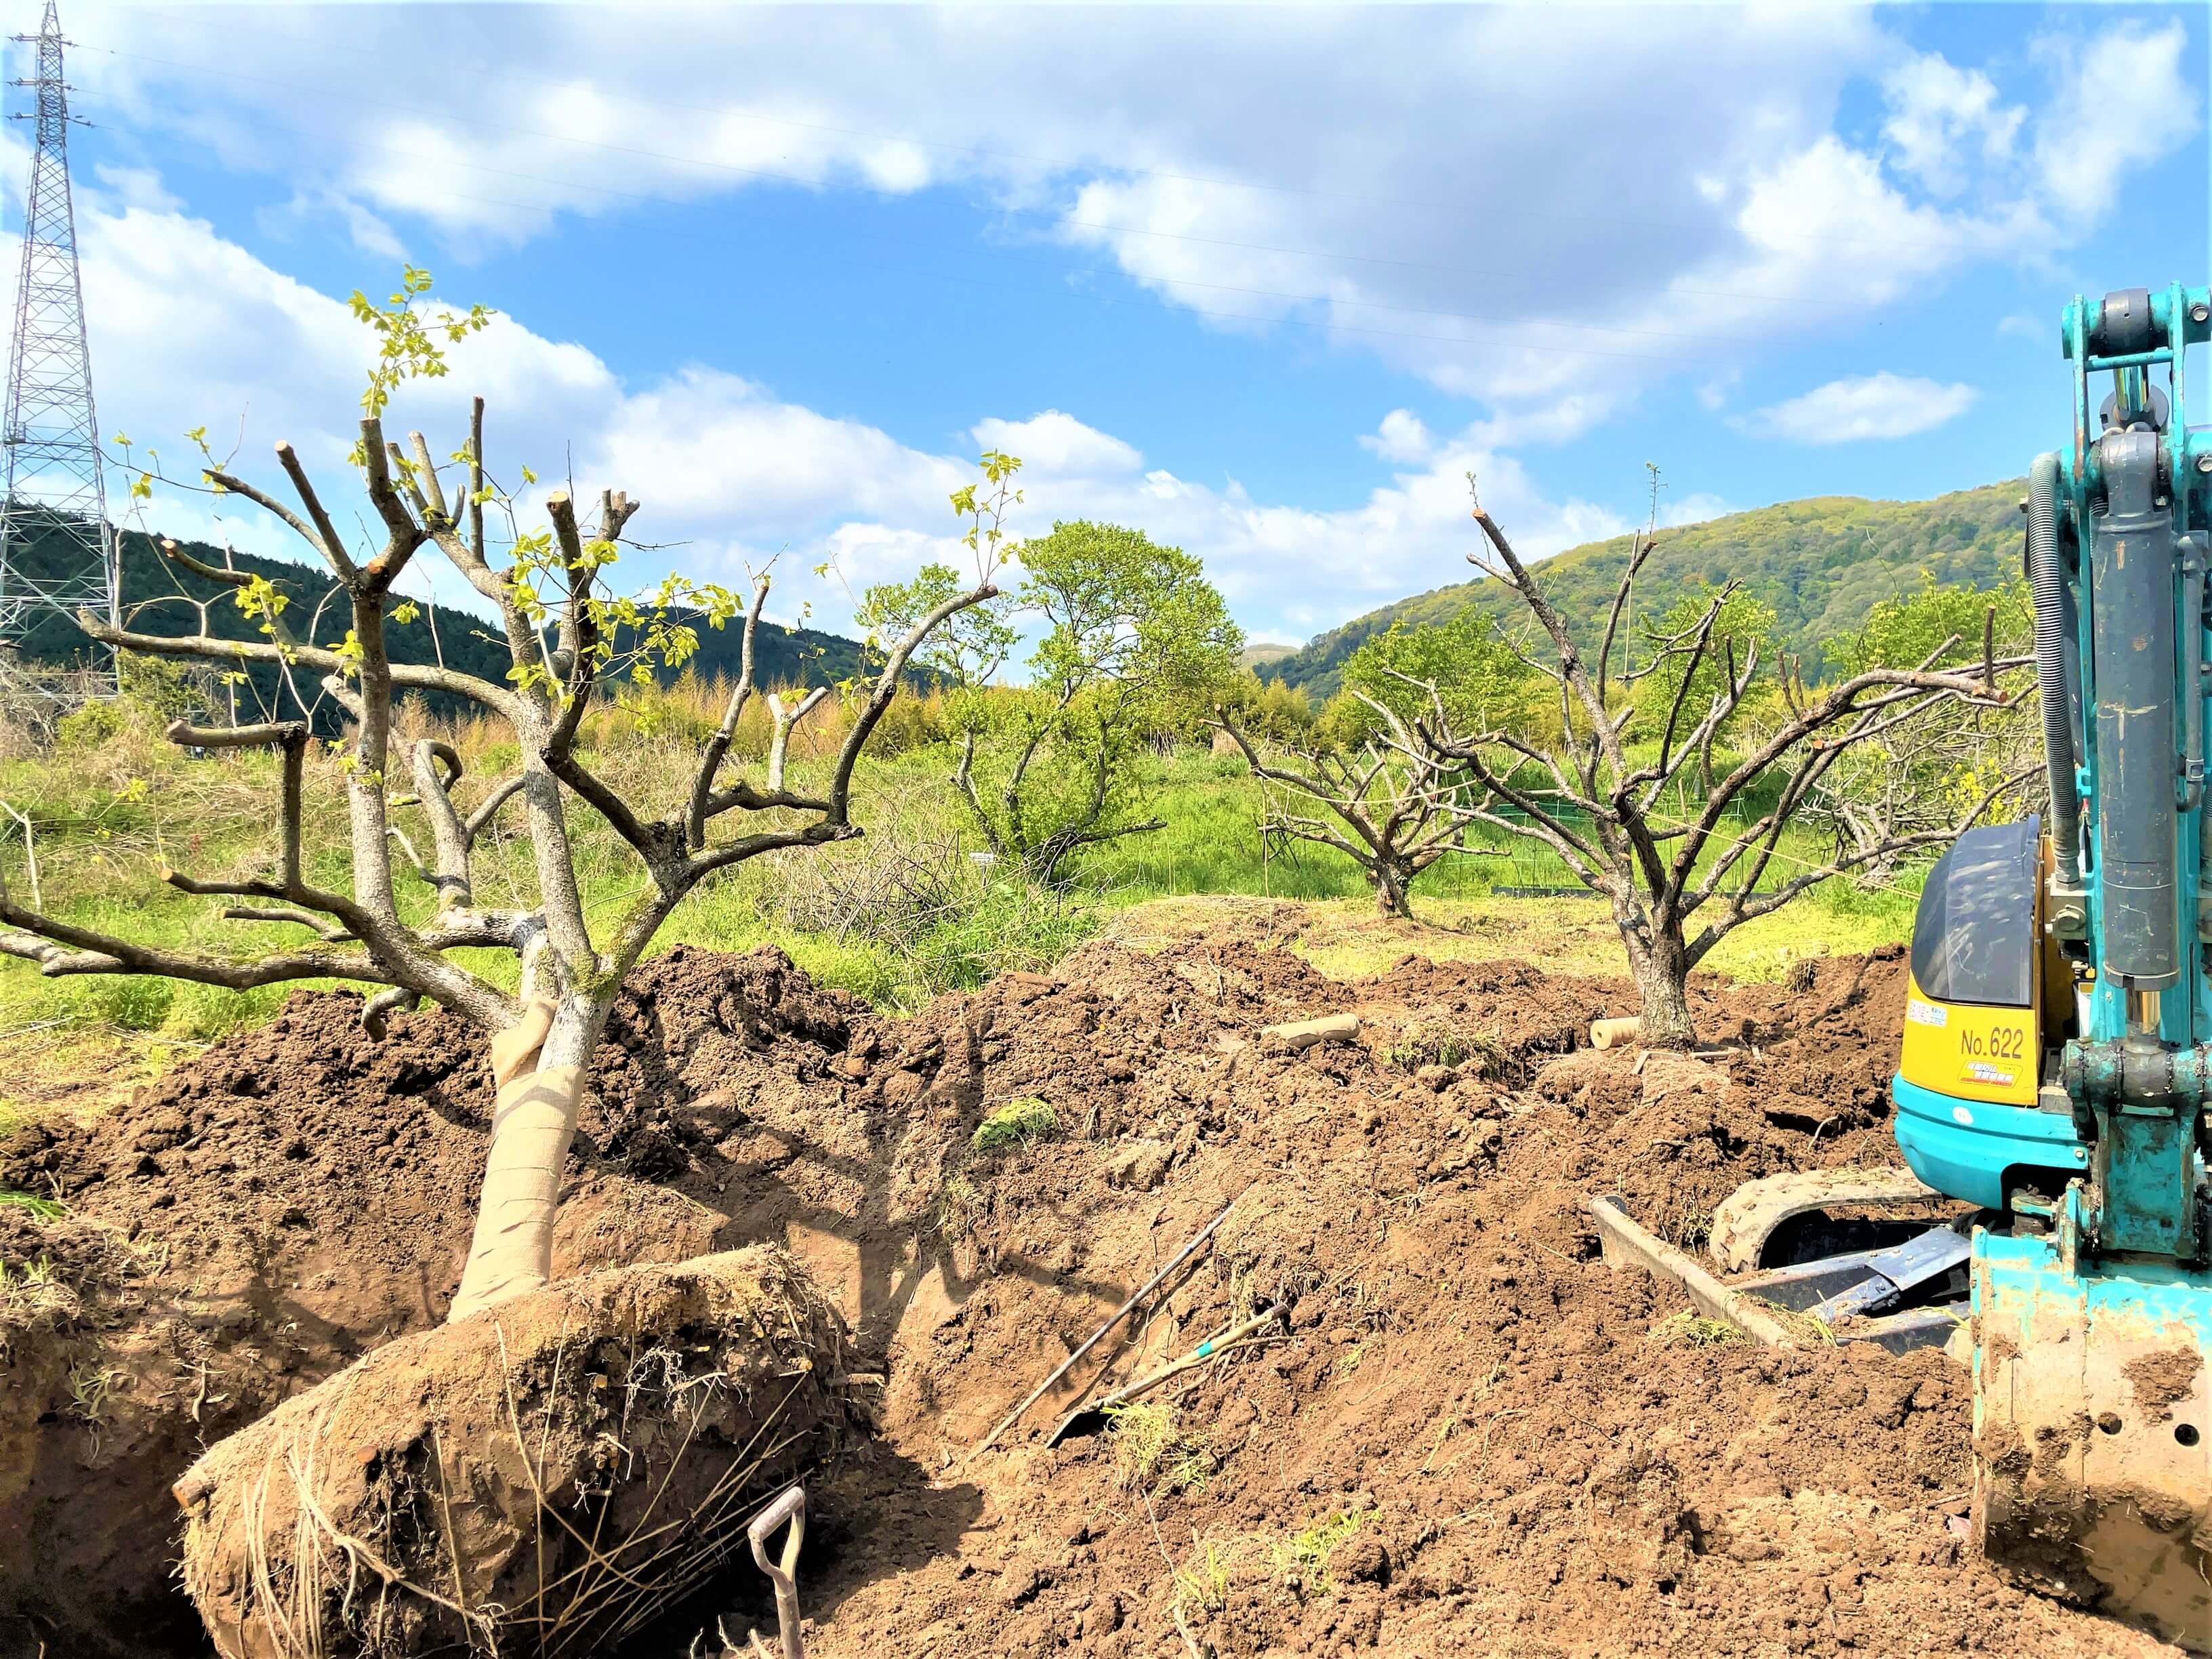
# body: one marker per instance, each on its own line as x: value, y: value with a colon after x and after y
x: 1306, y: 1551
x: 34, y: 1299
x: 1019, y: 1123
x: 1150, y: 1448
x: 959, y: 1206
x: 1691, y: 1329
x: 1433, y: 1042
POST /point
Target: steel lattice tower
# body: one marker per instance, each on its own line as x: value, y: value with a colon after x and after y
x: 57, y: 552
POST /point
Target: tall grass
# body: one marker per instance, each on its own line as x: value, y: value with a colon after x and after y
x: 898, y: 915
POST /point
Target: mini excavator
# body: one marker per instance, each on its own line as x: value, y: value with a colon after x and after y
x: 2057, y: 1064
x: 2054, y: 1085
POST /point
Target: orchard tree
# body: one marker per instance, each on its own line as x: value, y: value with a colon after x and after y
x: 1393, y: 807
x: 1133, y: 638
x: 1361, y: 781
x: 567, y: 634
x: 1678, y: 885
x: 1482, y: 677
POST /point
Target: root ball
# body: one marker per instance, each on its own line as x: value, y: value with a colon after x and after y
x: 546, y: 1475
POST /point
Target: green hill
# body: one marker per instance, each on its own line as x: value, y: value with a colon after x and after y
x: 468, y: 640
x: 1821, y: 564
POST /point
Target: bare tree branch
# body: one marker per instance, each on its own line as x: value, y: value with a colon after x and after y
x: 718, y: 745
x: 1400, y: 801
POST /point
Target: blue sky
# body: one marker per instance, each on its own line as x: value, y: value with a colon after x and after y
x: 1265, y: 283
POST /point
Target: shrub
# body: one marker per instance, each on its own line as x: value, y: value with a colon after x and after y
x: 1015, y: 926
x: 92, y: 725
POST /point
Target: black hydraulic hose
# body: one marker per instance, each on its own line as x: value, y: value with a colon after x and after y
x: 2048, y: 583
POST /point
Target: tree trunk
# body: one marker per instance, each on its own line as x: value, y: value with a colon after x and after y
x: 539, y: 1066
x: 1393, y: 889
x: 1662, y: 975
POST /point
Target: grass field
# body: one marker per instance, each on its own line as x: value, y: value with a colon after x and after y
x: 895, y: 916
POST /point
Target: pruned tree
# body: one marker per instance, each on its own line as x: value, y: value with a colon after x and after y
x: 1598, y: 797
x: 551, y: 578
x: 1394, y: 806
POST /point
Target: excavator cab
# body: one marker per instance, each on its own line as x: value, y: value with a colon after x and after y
x: 1987, y: 1007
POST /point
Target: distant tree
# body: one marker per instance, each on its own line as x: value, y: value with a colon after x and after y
x: 1938, y: 622
x: 1937, y: 625
x: 1134, y: 637
x: 1677, y: 887
x: 1735, y: 628
x: 1271, y: 709
x: 1466, y: 662
x: 1742, y: 626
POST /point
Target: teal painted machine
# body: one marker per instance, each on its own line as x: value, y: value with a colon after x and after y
x: 2092, y: 1284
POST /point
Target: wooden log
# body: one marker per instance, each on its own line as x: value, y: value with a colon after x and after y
x: 1304, y: 1033
x: 1615, y: 1033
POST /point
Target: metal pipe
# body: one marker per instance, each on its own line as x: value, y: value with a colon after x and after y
x: 2193, y: 674
x: 2131, y: 626
x: 2048, y: 583
x: 2197, y: 560
x: 2142, y: 1012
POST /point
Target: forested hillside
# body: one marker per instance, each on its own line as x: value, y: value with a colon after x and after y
x: 155, y: 590
x: 1820, y: 564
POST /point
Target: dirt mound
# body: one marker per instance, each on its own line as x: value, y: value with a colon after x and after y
x: 259, y: 1218
x: 554, y: 1469
x: 1468, y: 1439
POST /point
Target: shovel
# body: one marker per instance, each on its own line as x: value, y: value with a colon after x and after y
x: 1089, y: 1419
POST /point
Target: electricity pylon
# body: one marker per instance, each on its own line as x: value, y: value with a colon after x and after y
x: 57, y: 552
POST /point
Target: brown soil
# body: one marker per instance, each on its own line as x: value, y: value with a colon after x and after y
x: 1468, y: 1443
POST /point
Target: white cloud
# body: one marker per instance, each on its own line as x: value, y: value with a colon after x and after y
x: 706, y: 442
x: 1543, y: 208
x: 139, y: 187
x: 188, y: 328
x: 1693, y: 508
x: 1436, y: 219
x: 1058, y: 446
x: 1883, y: 406
x: 1401, y: 437
x: 1938, y: 112
x: 2121, y: 101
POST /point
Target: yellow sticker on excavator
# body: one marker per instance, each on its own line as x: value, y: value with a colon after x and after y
x: 1969, y: 1049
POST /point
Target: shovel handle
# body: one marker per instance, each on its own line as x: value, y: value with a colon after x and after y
x: 789, y: 1506
x: 1206, y: 1349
